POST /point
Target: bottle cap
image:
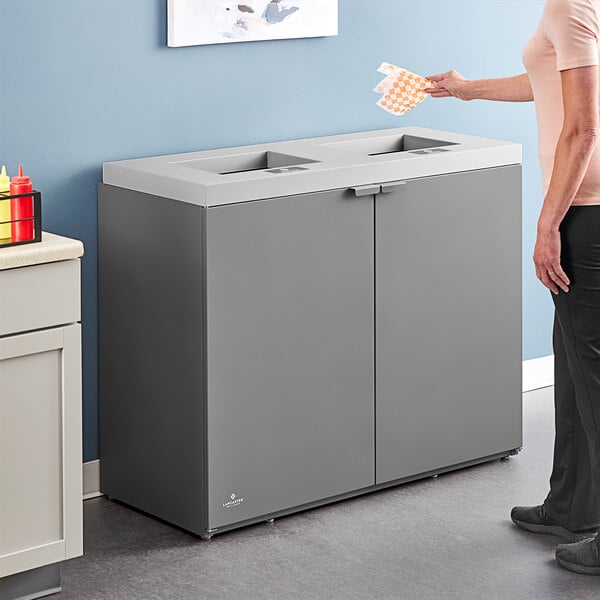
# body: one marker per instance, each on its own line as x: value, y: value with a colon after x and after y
x: 4, y: 181
x: 20, y: 179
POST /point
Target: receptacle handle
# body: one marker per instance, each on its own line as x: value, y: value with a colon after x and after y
x: 393, y: 186
x: 366, y: 190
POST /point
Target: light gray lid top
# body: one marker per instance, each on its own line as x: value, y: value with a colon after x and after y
x: 232, y: 175
x: 52, y: 248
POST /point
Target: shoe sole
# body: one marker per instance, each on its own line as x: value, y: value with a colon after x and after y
x: 556, y: 530
x: 582, y: 569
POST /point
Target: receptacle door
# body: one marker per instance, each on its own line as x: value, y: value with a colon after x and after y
x: 290, y: 376
x: 448, y: 314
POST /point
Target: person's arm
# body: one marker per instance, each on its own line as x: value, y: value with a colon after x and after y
x: 577, y: 141
x: 505, y: 89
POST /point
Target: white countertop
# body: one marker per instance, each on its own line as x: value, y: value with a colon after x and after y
x: 225, y: 176
x: 52, y: 248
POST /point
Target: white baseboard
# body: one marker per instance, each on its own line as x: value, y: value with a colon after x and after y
x: 91, y: 479
x: 538, y: 373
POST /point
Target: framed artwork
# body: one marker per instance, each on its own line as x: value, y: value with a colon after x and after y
x: 197, y: 22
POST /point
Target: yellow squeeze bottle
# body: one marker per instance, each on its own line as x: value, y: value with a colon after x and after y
x: 5, y: 235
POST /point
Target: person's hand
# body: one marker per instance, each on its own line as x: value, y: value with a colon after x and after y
x: 447, y: 84
x: 546, y: 257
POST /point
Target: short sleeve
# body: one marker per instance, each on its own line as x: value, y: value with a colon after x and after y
x: 573, y: 29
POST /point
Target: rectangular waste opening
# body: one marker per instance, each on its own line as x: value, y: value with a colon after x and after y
x: 243, y: 163
x: 389, y: 145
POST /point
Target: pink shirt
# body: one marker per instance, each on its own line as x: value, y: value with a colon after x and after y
x: 567, y: 37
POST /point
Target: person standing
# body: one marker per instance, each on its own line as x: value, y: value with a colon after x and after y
x: 562, y: 77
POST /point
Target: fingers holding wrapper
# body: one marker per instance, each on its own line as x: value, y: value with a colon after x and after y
x: 401, y: 89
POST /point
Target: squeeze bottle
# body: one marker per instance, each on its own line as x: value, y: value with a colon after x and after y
x: 21, y: 208
x: 4, y: 207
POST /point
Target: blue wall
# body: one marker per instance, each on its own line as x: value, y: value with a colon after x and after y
x: 86, y: 82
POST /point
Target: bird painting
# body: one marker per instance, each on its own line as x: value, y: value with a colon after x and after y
x: 245, y: 16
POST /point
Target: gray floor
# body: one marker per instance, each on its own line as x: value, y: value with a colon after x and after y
x: 435, y: 539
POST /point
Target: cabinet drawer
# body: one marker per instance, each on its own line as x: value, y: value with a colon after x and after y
x: 39, y: 296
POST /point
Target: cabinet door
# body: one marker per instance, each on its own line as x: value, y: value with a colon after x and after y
x: 448, y: 314
x: 40, y: 449
x: 290, y: 352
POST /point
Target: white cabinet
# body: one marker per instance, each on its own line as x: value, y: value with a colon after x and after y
x: 40, y: 415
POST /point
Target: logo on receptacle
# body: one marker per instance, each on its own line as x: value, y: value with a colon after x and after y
x: 234, y: 500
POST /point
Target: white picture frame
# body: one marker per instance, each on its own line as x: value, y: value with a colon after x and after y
x: 199, y: 22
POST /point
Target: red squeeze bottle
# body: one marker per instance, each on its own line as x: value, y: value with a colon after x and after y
x: 21, y: 208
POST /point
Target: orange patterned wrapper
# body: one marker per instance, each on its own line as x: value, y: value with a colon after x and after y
x: 401, y: 89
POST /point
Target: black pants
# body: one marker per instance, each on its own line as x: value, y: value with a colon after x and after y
x: 574, y: 498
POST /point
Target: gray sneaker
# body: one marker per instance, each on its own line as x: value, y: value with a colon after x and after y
x: 582, y: 557
x: 536, y: 520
